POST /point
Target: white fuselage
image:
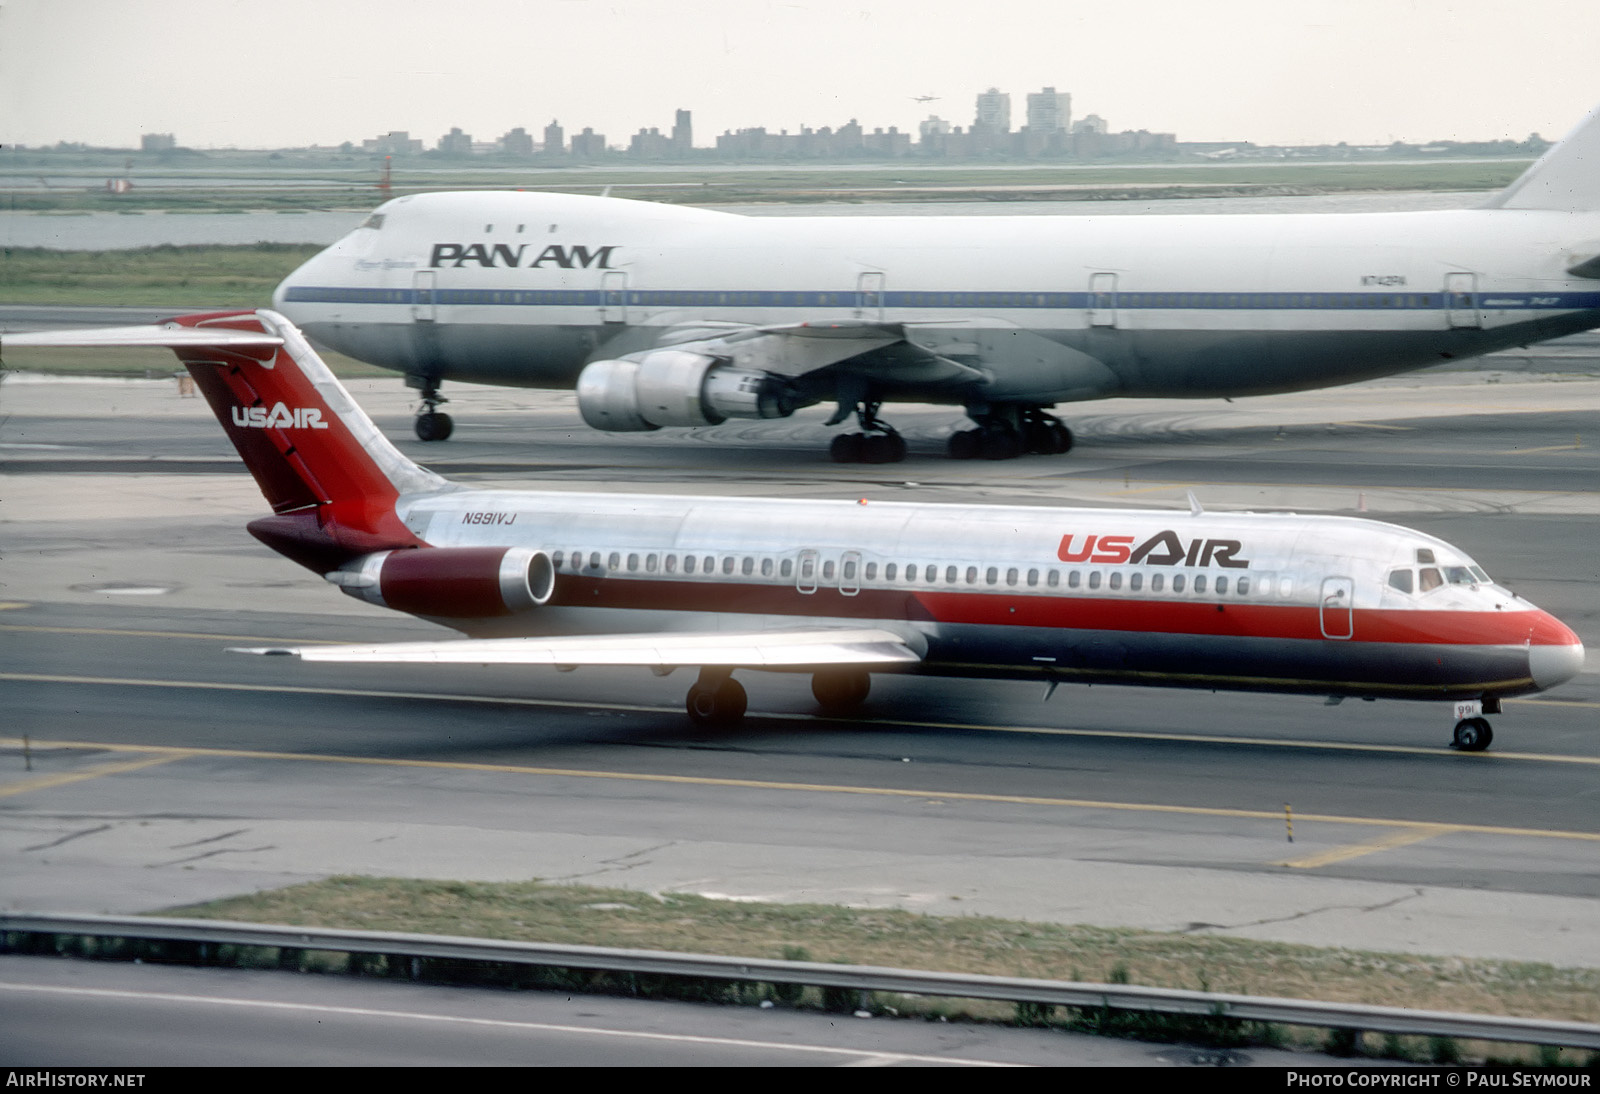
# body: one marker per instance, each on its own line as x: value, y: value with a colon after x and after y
x: 525, y: 288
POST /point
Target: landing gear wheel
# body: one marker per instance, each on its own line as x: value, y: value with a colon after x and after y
x: 965, y: 444
x: 434, y: 425
x: 840, y: 692
x: 846, y: 448
x: 717, y: 706
x: 1061, y: 435
x: 999, y: 444
x: 1472, y: 735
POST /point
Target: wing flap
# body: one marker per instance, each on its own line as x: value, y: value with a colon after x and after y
x: 752, y: 649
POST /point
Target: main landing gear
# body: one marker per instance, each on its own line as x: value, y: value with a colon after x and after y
x: 718, y: 701
x: 1006, y: 432
x: 432, y: 424
x: 876, y: 443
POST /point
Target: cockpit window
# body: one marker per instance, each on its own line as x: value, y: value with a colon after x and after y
x: 375, y: 221
x: 1478, y: 572
x: 1425, y: 554
x: 1400, y: 579
x: 1429, y: 579
x: 1460, y: 575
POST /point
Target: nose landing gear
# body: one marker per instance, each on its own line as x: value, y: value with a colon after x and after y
x: 432, y: 424
x: 1472, y: 735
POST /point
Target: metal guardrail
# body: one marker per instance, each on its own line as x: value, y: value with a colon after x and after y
x: 1120, y: 997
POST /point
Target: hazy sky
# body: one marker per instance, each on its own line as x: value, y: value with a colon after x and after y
x: 274, y: 73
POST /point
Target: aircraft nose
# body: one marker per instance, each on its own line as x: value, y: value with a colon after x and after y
x: 1555, y: 654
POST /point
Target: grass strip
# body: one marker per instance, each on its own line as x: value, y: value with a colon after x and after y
x: 166, y: 276
x: 685, y: 923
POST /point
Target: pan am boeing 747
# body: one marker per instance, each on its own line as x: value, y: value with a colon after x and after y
x: 668, y: 316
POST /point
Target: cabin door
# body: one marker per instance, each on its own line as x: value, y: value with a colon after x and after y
x: 614, y: 296
x: 1461, y: 300
x: 1337, y: 614
x: 1103, y: 300
x: 424, y: 296
x: 869, y: 295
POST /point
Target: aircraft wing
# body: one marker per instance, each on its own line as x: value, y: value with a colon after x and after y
x: 876, y: 349
x: 781, y: 649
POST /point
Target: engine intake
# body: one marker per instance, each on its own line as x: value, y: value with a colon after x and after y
x: 676, y: 387
x: 452, y: 582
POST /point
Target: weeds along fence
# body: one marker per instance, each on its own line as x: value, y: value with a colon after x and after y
x: 535, y: 965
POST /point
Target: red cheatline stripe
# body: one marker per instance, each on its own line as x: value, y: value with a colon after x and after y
x: 1214, y: 617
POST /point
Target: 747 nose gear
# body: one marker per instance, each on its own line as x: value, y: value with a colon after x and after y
x: 432, y: 424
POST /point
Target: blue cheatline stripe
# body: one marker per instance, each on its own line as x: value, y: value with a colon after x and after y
x: 966, y: 301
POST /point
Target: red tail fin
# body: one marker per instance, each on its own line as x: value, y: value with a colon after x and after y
x: 331, y: 477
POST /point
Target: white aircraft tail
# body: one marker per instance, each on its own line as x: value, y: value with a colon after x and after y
x: 1566, y: 178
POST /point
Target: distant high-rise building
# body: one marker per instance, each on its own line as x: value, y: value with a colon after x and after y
x: 1049, y: 111
x: 935, y: 126
x: 396, y: 142
x: 682, y: 133
x: 518, y: 142
x: 157, y: 142
x: 994, y: 111
x: 456, y: 143
x: 589, y: 145
x: 1091, y: 123
x: 555, y: 140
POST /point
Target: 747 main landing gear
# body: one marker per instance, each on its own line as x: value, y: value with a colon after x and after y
x: 877, y: 443
x: 1006, y: 432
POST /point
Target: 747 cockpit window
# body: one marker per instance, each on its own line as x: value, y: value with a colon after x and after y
x: 375, y: 221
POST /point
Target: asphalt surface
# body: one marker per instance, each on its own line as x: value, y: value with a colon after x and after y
x: 161, y: 769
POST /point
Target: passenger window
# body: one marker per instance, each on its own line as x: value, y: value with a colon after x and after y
x: 950, y: 574
x: 594, y: 560
x: 1011, y: 576
x: 672, y: 564
x: 650, y: 563
x: 827, y: 570
x: 1244, y: 586
x: 850, y: 570
x: 1428, y: 579
x: 766, y: 567
x: 871, y: 571
x: 1177, y: 583
x: 889, y: 571
x: 1200, y: 583
x: 808, y: 567
x: 1156, y: 581
x: 555, y: 559
x: 1052, y: 579
x: 1073, y: 579
x: 688, y: 564
x: 1094, y: 579
x: 749, y: 566
x: 1286, y: 587
x: 787, y: 568
x: 1135, y: 583
x: 972, y: 575
x: 1116, y: 579
x: 991, y: 575
x: 727, y: 565
x: 1033, y: 577
x: 1222, y: 586
x: 615, y: 561
x: 1400, y: 579
x: 931, y: 574
x: 708, y: 565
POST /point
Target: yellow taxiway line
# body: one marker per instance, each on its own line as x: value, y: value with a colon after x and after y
x: 1403, y: 838
x: 648, y: 708
x: 46, y: 782
x: 1426, y: 828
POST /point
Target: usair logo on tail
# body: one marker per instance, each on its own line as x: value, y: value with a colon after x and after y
x: 279, y: 417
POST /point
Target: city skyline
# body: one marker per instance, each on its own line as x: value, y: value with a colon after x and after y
x: 293, y: 73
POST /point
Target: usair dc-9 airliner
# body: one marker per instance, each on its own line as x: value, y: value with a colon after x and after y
x: 840, y: 590
x: 667, y: 316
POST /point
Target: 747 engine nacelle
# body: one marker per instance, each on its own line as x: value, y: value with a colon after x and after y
x: 676, y: 387
x: 451, y: 582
